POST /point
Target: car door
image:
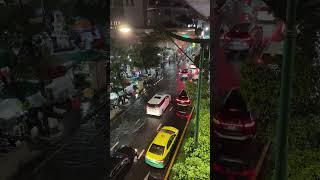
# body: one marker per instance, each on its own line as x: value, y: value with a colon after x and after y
x: 168, y: 147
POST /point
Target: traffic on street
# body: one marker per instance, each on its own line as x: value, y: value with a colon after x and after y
x: 154, y: 112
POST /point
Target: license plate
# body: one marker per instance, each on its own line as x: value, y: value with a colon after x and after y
x: 231, y: 127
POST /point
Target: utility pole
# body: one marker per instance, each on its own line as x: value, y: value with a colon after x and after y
x: 285, y: 92
x: 196, y: 134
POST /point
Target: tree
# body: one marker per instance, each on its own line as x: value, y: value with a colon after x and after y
x: 145, y: 55
x: 308, y: 15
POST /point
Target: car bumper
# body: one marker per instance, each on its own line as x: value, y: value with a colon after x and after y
x: 154, y: 113
x: 234, y: 137
x: 154, y: 164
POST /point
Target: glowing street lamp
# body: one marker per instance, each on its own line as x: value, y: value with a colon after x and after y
x: 124, y: 29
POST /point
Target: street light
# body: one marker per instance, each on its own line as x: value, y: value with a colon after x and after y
x: 124, y: 29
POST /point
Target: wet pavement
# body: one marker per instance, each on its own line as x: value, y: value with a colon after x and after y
x: 79, y: 156
x: 136, y: 129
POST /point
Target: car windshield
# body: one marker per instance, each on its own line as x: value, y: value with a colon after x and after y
x: 156, y: 149
x: 235, y: 102
x: 157, y: 97
x: 244, y: 27
x: 183, y: 94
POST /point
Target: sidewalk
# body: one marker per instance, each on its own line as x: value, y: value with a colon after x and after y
x: 17, y: 160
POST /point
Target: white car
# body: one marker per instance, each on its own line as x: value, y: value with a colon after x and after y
x: 158, y: 104
x: 194, y: 71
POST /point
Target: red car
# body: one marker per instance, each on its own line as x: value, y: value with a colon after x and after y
x: 183, y: 111
x: 236, y: 162
x: 183, y: 99
x: 234, y: 121
x: 242, y: 37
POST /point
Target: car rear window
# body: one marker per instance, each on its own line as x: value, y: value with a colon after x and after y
x: 235, y: 102
x: 184, y: 109
x: 241, y: 27
x: 157, y: 97
x: 156, y: 149
x: 167, y: 131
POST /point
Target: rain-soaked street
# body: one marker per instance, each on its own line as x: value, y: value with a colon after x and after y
x: 136, y: 129
x: 80, y: 156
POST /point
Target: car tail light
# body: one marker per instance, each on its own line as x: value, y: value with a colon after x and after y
x: 250, y: 124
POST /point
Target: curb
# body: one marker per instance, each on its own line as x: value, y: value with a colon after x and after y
x: 261, y: 159
x: 178, y: 147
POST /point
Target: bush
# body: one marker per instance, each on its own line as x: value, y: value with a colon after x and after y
x: 260, y: 86
x: 196, y: 162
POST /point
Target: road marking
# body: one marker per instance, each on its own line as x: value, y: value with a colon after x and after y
x: 159, y: 127
x: 147, y: 176
x: 114, y: 146
x: 177, y: 148
x: 137, y: 121
x: 141, y: 154
x: 171, y: 108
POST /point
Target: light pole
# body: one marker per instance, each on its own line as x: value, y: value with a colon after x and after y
x: 285, y: 92
x: 196, y: 134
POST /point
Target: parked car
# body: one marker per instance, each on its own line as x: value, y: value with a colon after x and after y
x: 194, y: 71
x: 234, y: 121
x: 183, y: 111
x: 235, y: 162
x: 184, y: 74
x: 121, y: 162
x: 158, y: 104
x: 243, y: 36
x: 158, y: 153
x: 183, y: 99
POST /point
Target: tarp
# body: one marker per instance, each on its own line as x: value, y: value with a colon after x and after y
x: 36, y: 100
x: 10, y: 108
x: 61, y: 87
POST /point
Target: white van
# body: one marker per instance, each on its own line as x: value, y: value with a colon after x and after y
x: 158, y: 104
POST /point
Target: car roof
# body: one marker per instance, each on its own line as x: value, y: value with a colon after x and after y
x: 163, y: 137
x: 155, y: 100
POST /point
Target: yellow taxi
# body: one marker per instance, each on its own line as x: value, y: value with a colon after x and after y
x: 159, y: 150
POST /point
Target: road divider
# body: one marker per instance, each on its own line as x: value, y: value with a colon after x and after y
x: 178, y: 147
x: 115, y: 145
x: 141, y: 154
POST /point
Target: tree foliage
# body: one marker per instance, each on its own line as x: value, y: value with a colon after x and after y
x: 260, y: 86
